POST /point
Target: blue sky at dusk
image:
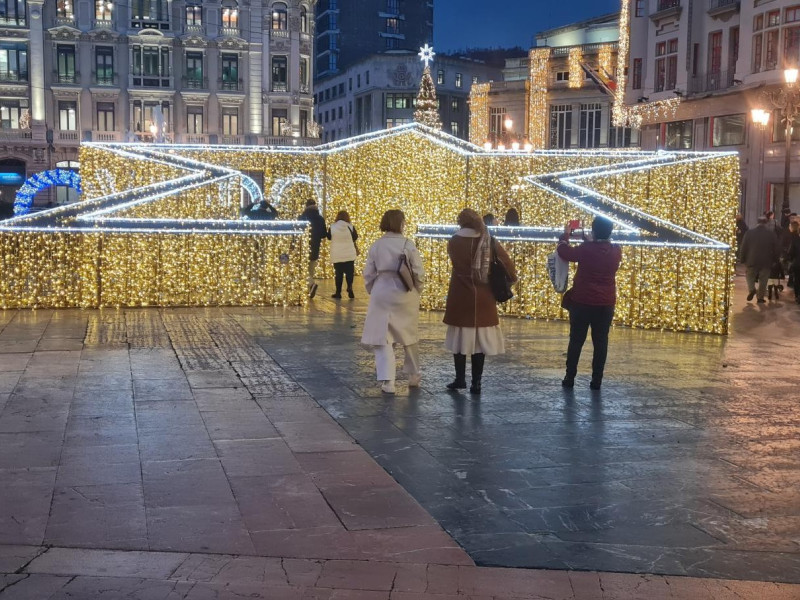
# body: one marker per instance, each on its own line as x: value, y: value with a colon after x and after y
x: 480, y: 23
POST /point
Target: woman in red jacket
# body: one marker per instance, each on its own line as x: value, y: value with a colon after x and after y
x: 592, y: 297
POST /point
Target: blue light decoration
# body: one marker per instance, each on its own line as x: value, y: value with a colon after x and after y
x: 23, y: 201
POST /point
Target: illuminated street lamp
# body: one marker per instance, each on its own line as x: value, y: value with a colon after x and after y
x: 787, y: 100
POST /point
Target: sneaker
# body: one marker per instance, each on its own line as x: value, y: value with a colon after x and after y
x: 751, y: 295
x: 414, y: 380
x: 313, y: 291
x: 387, y: 387
x: 350, y: 294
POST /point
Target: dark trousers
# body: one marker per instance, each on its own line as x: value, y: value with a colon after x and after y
x: 344, y: 270
x: 794, y: 272
x: 581, y: 317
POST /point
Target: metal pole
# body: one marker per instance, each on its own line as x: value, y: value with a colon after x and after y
x: 787, y: 163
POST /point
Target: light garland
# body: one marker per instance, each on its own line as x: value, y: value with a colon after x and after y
x: 539, y: 59
x: 171, y: 236
x: 479, y: 113
x: 23, y: 200
x: 574, y: 60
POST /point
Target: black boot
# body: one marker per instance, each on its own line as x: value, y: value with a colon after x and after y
x: 460, y: 382
x: 477, y: 373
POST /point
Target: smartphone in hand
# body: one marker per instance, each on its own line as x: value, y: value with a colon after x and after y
x: 574, y: 224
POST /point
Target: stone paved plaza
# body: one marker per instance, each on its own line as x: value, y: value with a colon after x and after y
x: 247, y: 452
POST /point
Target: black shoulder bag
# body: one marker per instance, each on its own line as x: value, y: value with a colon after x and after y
x: 499, y: 281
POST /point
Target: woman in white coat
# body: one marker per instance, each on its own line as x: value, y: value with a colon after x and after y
x: 343, y: 238
x: 393, y: 312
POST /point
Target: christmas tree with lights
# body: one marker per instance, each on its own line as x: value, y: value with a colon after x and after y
x: 427, y: 111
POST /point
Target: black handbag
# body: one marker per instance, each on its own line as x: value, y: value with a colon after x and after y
x: 499, y: 281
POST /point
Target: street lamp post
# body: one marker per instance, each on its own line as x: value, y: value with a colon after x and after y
x: 787, y: 100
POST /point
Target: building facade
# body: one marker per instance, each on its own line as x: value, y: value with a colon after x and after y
x: 349, y: 30
x: 719, y: 57
x: 379, y: 92
x: 181, y: 71
x: 560, y: 96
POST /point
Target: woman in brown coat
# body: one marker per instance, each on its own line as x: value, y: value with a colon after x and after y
x: 471, y: 313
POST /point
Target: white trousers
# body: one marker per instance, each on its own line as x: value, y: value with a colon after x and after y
x: 385, y: 361
x: 312, y: 268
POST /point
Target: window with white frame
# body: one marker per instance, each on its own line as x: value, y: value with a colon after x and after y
x: 459, y: 80
x: 280, y: 17
x: 10, y: 112
x: 561, y: 126
x: 145, y: 116
x: 589, y: 132
x: 150, y: 65
x: 102, y: 10
x: 194, y: 14
x: 105, y: 116
x: 496, y: 118
x: 666, y: 65
x: 230, y: 16
x: 13, y: 12
x: 13, y: 61
x: 454, y: 128
x: 230, y: 120
x: 194, y: 119
x: 149, y: 14
x: 67, y: 115
x: 279, y: 119
x: 678, y: 135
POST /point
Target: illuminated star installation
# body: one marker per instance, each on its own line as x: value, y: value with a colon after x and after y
x: 426, y: 54
x: 159, y: 223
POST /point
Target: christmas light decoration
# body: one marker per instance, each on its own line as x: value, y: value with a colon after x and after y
x: 23, y: 201
x: 427, y: 111
x: 539, y: 72
x: 479, y: 113
x: 574, y: 60
x: 158, y: 224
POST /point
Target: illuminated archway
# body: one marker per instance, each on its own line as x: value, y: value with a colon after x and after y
x: 23, y: 201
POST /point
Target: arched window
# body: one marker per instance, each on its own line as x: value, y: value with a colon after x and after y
x: 303, y: 19
x: 230, y: 15
x: 280, y: 19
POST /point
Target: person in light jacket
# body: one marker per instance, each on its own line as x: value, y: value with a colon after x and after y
x: 471, y: 311
x: 393, y: 311
x: 343, y: 238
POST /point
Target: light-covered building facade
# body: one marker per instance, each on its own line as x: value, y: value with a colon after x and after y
x: 719, y: 57
x: 182, y: 71
x: 559, y: 96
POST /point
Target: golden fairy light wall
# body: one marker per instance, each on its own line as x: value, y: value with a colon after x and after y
x: 175, y: 239
x: 539, y: 59
x: 479, y: 113
x: 576, y: 76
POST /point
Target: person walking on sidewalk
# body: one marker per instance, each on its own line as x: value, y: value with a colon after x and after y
x: 318, y: 231
x: 592, y: 298
x: 471, y: 311
x: 343, y: 238
x: 758, y: 251
x: 793, y: 257
x: 393, y: 311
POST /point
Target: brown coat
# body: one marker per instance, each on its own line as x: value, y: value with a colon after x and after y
x: 470, y: 303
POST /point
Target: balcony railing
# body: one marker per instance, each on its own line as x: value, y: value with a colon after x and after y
x: 305, y: 88
x: 236, y: 85
x: 138, y: 23
x: 665, y: 4
x: 231, y: 140
x: 66, y: 20
x: 195, y: 29
x: 103, y: 24
x: 229, y: 31
x: 711, y: 82
x: 720, y: 5
x: 305, y: 37
x: 151, y: 81
x: 195, y: 83
x: 104, y: 79
x: 13, y: 77
x: 279, y: 33
x: 15, y: 134
x: 13, y: 22
x: 68, y: 136
x: 66, y: 77
x: 106, y: 136
x: 279, y: 86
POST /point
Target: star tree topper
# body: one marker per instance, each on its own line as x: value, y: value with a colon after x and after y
x: 426, y: 54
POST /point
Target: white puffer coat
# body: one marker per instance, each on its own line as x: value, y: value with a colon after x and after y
x: 342, y: 236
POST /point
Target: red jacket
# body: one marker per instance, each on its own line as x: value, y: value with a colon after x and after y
x: 595, y: 281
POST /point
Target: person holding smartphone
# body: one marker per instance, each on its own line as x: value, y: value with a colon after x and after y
x: 593, y: 296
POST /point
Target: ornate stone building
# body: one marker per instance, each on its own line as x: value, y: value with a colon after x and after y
x: 180, y: 71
